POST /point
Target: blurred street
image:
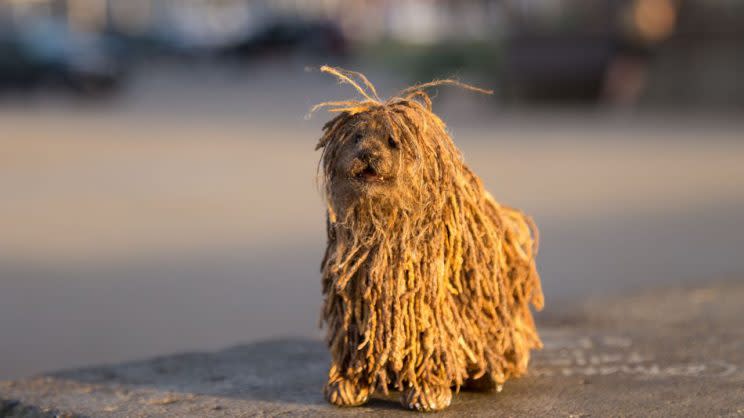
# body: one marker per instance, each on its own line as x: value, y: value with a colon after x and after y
x: 184, y: 215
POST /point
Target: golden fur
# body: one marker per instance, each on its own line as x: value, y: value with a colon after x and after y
x: 427, y: 279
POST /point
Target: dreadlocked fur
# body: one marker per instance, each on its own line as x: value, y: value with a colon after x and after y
x: 428, y: 280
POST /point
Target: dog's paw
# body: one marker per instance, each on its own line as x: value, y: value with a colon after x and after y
x: 485, y: 383
x: 427, y: 398
x: 342, y: 392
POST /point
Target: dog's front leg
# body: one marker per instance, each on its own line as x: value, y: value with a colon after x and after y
x: 427, y: 397
x: 344, y: 390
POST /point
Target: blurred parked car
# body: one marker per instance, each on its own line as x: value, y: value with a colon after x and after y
x: 48, y: 51
x: 287, y: 36
x: 557, y: 68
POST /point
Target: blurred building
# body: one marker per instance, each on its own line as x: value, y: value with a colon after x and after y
x: 619, y: 51
x: 415, y: 21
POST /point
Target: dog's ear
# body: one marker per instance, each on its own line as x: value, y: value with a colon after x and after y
x: 329, y: 124
x: 324, y: 139
x: 330, y: 128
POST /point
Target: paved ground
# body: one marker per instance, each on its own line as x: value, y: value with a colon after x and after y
x: 183, y: 217
x: 659, y: 353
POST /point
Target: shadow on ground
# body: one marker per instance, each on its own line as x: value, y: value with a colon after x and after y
x: 282, y: 370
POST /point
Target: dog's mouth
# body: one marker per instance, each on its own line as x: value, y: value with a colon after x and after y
x: 368, y: 174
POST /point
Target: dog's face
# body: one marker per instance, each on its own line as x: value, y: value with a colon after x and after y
x: 367, y: 159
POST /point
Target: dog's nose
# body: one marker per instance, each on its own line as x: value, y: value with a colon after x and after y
x: 369, y: 155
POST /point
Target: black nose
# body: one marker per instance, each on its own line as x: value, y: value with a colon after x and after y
x: 369, y: 155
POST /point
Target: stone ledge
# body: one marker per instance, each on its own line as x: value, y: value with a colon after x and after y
x: 662, y: 353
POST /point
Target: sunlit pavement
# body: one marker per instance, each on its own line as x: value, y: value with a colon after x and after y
x: 185, y: 215
x: 642, y: 354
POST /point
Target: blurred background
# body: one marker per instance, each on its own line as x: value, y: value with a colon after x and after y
x: 157, y: 173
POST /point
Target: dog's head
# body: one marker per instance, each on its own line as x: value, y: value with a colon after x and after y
x: 388, y: 154
x: 366, y: 157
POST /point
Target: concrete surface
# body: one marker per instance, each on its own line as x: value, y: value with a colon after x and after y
x: 183, y: 215
x: 676, y: 352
